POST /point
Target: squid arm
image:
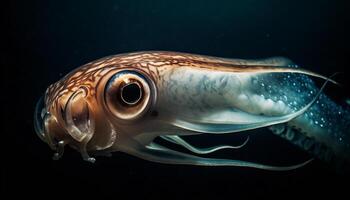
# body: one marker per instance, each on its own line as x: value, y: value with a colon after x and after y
x: 157, y: 153
x: 179, y: 141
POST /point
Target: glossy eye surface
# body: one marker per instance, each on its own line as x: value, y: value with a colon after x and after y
x: 129, y: 94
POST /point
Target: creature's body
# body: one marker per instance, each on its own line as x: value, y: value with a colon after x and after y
x: 123, y: 102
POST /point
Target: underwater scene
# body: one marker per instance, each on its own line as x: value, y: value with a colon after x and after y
x: 176, y: 99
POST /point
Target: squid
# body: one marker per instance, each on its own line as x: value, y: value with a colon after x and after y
x: 122, y: 103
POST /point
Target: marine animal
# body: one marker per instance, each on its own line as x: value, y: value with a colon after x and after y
x: 123, y: 102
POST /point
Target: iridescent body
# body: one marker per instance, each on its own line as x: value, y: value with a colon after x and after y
x: 123, y: 102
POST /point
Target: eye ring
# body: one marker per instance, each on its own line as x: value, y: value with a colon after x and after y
x: 129, y: 94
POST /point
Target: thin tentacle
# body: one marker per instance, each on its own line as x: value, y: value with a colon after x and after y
x: 60, y: 150
x: 179, y: 141
x: 157, y: 153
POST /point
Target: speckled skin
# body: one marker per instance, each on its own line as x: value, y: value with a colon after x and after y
x: 324, y: 126
x: 323, y: 130
x: 194, y: 94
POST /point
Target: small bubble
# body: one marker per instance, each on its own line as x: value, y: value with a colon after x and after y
x: 316, y: 122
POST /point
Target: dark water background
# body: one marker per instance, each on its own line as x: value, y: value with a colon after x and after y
x: 47, y: 39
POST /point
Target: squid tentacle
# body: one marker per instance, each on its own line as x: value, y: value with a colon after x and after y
x: 179, y: 141
x: 60, y: 150
x: 157, y: 153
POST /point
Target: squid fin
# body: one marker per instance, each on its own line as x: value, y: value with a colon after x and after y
x: 273, y: 61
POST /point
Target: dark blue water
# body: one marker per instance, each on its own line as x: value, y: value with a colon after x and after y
x: 50, y: 38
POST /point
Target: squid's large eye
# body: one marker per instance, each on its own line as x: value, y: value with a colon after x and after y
x: 129, y: 94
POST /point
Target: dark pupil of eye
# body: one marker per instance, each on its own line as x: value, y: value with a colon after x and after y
x: 131, y: 93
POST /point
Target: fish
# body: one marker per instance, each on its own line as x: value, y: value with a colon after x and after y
x: 122, y: 103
